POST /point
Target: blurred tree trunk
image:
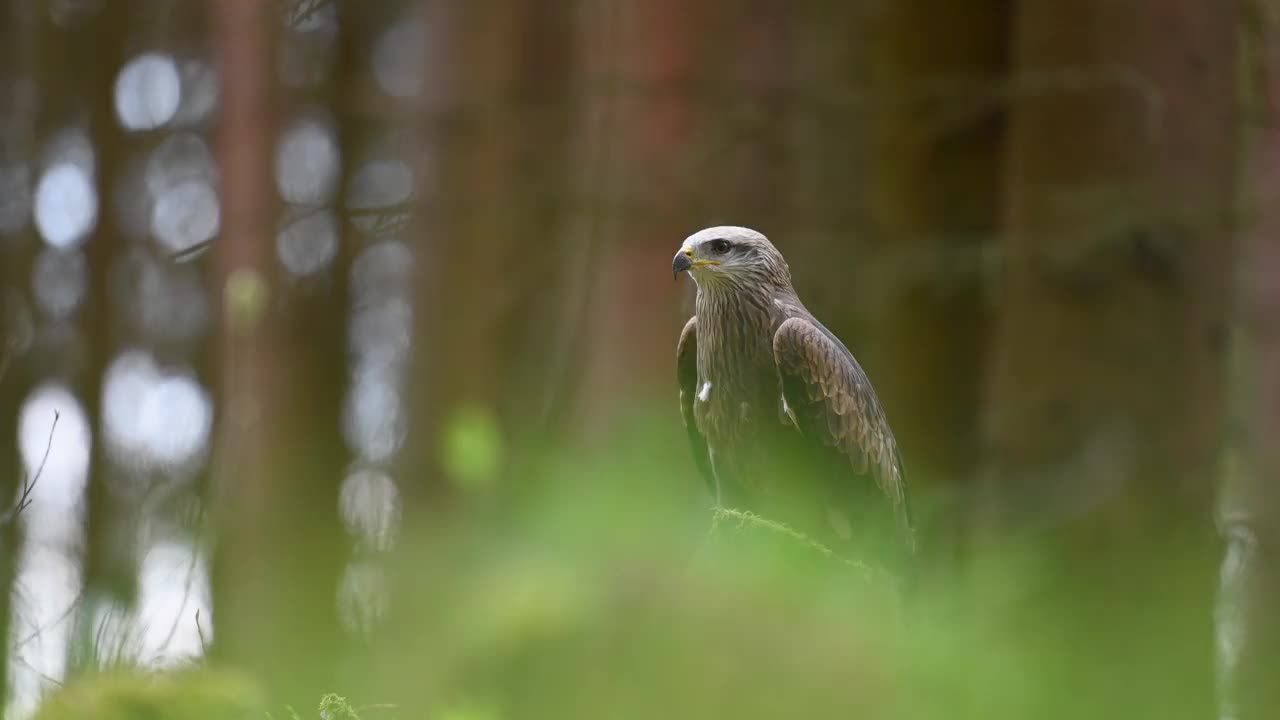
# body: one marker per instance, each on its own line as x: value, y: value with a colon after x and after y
x: 938, y: 129
x: 15, y: 382
x: 680, y: 134
x: 639, y: 112
x: 18, y: 244
x: 495, y: 282
x: 1248, y: 625
x: 280, y: 455
x: 745, y: 109
x: 85, y: 57
x: 1108, y: 362
x: 493, y: 260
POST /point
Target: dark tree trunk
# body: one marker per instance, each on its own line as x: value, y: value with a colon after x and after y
x: 639, y: 118
x: 1108, y: 360
x: 494, y: 261
x: 494, y: 285
x: 937, y: 127
x: 280, y: 454
x: 744, y: 110
x: 17, y: 247
x: 85, y: 58
x: 1248, y: 626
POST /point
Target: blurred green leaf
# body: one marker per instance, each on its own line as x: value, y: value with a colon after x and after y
x: 472, y: 446
x: 245, y: 299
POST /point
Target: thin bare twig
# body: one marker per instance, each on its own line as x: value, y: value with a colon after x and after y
x: 188, y: 584
x: 66, y: 614
x: 191, y: 253
x: 297, y: 12
x: 204, y: 645
x: 42, y: 674
x: 29, y: 480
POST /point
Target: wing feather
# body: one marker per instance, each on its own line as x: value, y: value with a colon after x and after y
x: 687, y: 380
x: 830, y: 396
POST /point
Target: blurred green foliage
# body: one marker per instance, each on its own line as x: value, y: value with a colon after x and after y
x: 472, y: 446
x: 616, y: 592
x: 188, y: 694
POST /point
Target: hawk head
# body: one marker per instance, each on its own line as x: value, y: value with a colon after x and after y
x: 728, y: 257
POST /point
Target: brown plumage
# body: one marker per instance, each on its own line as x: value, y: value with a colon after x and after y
x: 782, y: 419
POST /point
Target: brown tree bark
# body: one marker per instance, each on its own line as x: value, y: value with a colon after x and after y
x: 937, y: 129
x: 640, y: 113
x: 279, y: 456
x: 1248, y: 628
x: 1108, y: 360
x: 686, y: 134
x: 17, y: 367
x: 81, y: 60
x: 496, y: 283
x: 493, y: 262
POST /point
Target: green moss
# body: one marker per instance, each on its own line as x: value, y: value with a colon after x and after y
x: 336, y: 707
x: 198, y: 694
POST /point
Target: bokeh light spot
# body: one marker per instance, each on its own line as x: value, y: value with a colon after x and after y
x: 70, y: 146
x: 380, y: 183
x: 307, y: 163
x: 374, y: 417
x: 382, y: 268
x: 62, y: 474
x: 381, y: 329
x: 60, y: 281
x: 185, y: 215
x: 66, y: 205
x: 398, y: 58
x: 153, y: 419
x: 381, y: 314
x: 307, y: 245
x: 148, y: 90
x: 173, y: 585
x: 47, y: 591
x: 158, y: 298
x: 199, y: 93
x: 382, y: 186
x: 181, y: 157
x: 363, y: 597
x: 370, y: 506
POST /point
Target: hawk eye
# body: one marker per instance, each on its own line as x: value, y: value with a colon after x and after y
x: 720, y: 246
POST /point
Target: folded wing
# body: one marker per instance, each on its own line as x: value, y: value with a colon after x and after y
x: 829, y: 399
x: 687, y: 379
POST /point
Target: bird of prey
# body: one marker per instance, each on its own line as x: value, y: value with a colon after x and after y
x: 782, y: 419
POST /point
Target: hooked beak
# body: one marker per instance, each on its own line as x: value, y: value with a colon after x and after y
x: 684, y: 260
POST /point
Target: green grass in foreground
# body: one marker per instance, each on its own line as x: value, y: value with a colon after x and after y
x: 614, y: 592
